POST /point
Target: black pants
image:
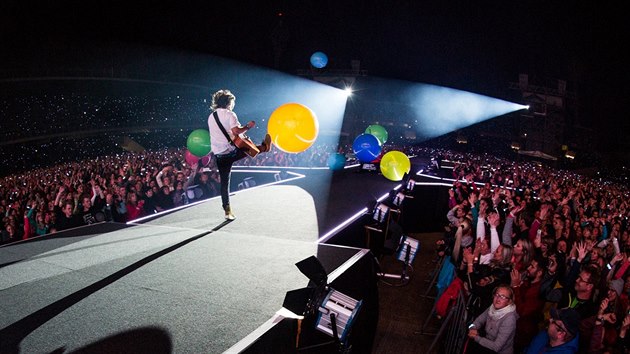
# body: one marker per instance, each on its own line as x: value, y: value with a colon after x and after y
x: 224, y: 163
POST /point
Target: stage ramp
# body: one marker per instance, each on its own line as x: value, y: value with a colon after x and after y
x: 186, y: 282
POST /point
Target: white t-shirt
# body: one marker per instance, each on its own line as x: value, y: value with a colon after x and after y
x: 218, y: 143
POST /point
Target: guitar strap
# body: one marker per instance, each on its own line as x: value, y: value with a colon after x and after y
x: 216, y: 117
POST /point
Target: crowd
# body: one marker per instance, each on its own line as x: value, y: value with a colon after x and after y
x: 38, y: 129
x: 119, y: 188
x: 542, y: 256
x: 74, y: 112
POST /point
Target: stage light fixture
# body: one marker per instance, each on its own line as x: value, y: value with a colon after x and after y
x: 248, y: 182
x: 335, y: 312
x: 409, y: 185
x: 407, y: 249
x: 398, y: 199
x: 193, y: 193
x: 348, y: 91
x: 380, y: 212
x: 406, y: 253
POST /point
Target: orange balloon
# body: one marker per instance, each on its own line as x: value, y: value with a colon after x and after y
x: 293, y: 127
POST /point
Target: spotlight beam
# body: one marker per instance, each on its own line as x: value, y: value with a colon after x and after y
x: 442, y: 110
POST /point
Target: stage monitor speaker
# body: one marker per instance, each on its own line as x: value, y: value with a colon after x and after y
x: 248, y: 182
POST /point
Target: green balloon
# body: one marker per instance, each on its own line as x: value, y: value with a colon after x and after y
x: 198, y: 142
x: 378, y: 131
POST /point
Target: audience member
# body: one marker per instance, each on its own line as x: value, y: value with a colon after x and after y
x: 561, y: 335
x: 528, y: 300
x: 493, y: 331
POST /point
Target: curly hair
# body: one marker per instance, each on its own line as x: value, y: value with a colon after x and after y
x: 222, y: 99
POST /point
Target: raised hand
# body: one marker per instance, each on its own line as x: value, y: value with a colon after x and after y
x: 472, y: 199
x: 618, y: 257
x: 543, y: 211
x: 517, y: 208
x: 582, y: 250
x: 494, y: 219
x: 602, y: 306
x: 515, y: 277
x: 468, y: 256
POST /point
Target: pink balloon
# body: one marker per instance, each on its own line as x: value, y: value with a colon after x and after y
x: 190, y: 158
x: 205, y: 160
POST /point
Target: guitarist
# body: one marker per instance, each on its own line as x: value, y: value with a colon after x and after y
x: 221, y: 141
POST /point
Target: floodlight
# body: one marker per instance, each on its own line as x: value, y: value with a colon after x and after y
x: 379, y: 212
x: 337, y: 314
x: 398, y: 199
x: 335, y: 311
x: 406, y: 253
x: 248, y: 182
x: 194, y: 193
x: 407, y: 249
x: 410, y: 184
x: 348, y: 91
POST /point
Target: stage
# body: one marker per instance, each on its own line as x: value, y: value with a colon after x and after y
x: 185, y: 281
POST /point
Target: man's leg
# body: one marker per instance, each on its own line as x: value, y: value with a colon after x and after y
x: 224, y: 165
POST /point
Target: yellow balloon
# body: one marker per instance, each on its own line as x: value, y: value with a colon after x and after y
x: 293, y: 127
x: 394, y: 165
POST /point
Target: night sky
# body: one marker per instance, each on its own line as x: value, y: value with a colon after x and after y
x: 478, y: 46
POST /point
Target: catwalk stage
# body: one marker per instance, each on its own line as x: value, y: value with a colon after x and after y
x: 186, y: 281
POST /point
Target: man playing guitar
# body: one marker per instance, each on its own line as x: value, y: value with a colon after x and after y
x: 226, y: 140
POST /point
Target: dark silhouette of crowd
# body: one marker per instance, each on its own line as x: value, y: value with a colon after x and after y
x: 542, y: 256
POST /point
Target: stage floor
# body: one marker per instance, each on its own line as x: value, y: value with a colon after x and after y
x: 186, y: 281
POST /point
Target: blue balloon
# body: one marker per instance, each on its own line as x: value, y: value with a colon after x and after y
x: 366, y: 147
x: 319, y: 60
x: 336, y: 161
